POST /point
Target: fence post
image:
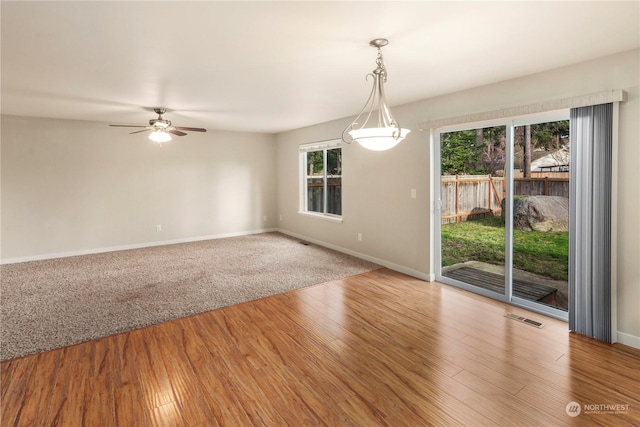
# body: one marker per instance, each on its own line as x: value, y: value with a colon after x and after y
x: 456, y: 207
x: 489, y: 192
x: 546, y: 185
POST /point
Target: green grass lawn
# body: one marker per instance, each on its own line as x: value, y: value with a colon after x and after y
x: 543, y: 253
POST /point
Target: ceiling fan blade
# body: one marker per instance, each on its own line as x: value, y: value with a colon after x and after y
x: 176, y: 132
x: 190, y: 129
x: 138, y: 131
x: 128, y: 126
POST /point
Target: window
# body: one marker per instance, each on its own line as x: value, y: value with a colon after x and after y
x: 321, y: 178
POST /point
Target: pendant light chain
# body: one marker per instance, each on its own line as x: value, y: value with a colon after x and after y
x: 381, y: 70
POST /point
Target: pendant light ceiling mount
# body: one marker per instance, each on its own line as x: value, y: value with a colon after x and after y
x: 378, y: 43
x: 376, y: 131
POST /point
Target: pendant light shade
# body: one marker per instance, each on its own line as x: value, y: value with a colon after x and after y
x: 378, y: 139
x: 375, y: 127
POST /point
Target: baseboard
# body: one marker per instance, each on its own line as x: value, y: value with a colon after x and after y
x: 133, y: 246
x: 628, y: 339
x: 390, y: 265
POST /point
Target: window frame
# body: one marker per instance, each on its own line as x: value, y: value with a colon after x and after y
x: 323, y: 146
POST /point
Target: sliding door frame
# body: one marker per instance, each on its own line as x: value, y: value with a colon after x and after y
x: 510, y: 124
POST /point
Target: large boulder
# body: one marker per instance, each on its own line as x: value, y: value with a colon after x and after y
x: 540, y: 213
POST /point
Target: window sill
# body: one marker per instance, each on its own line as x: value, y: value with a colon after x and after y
x: 326, y: 217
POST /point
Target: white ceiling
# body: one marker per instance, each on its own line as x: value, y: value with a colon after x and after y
x: 275, y: 66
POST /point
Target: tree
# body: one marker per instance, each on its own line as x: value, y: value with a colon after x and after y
x: 315, y: 162
x: 539, y: 139
x: 550, y: 136
x: 460, y: 154
x: 334, y: 161
x: 494, y: 139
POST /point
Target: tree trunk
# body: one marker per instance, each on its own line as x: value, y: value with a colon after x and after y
x: 479, y: 143
x: 526, y: 155
x: 479, y: 138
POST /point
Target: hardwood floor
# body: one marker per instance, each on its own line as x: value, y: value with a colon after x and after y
x: 379, y: 348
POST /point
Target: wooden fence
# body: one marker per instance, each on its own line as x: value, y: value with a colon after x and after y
x: 542, y: 174
x: 546, y: 186
x: 315, y: 194
x: 468, y: 197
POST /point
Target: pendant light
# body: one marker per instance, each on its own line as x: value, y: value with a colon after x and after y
x: 379, y: 130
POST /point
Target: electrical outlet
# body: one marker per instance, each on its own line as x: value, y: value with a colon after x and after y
x: 359, y: 237
x: 280, y: 217
x: 158, y: 227
x: 413, y: 193
x: 264, y: 217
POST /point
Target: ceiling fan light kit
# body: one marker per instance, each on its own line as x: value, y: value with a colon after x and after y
x: 379, y: 130
x: 162, y: 128
x: 160, y: 136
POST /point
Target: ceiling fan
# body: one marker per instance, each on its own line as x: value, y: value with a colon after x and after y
x: 161, y: 128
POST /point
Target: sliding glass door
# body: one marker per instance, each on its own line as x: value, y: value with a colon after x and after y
x: 540, y: 213
x: 472, y: 187
x: 503, y: 210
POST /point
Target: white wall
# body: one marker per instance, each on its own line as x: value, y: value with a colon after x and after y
x: 376, y: 188
x: 73, y: 187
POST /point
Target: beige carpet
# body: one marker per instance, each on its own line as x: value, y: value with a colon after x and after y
x: 54, y: 303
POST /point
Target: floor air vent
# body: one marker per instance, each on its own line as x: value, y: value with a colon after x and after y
x: 524, y: 320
